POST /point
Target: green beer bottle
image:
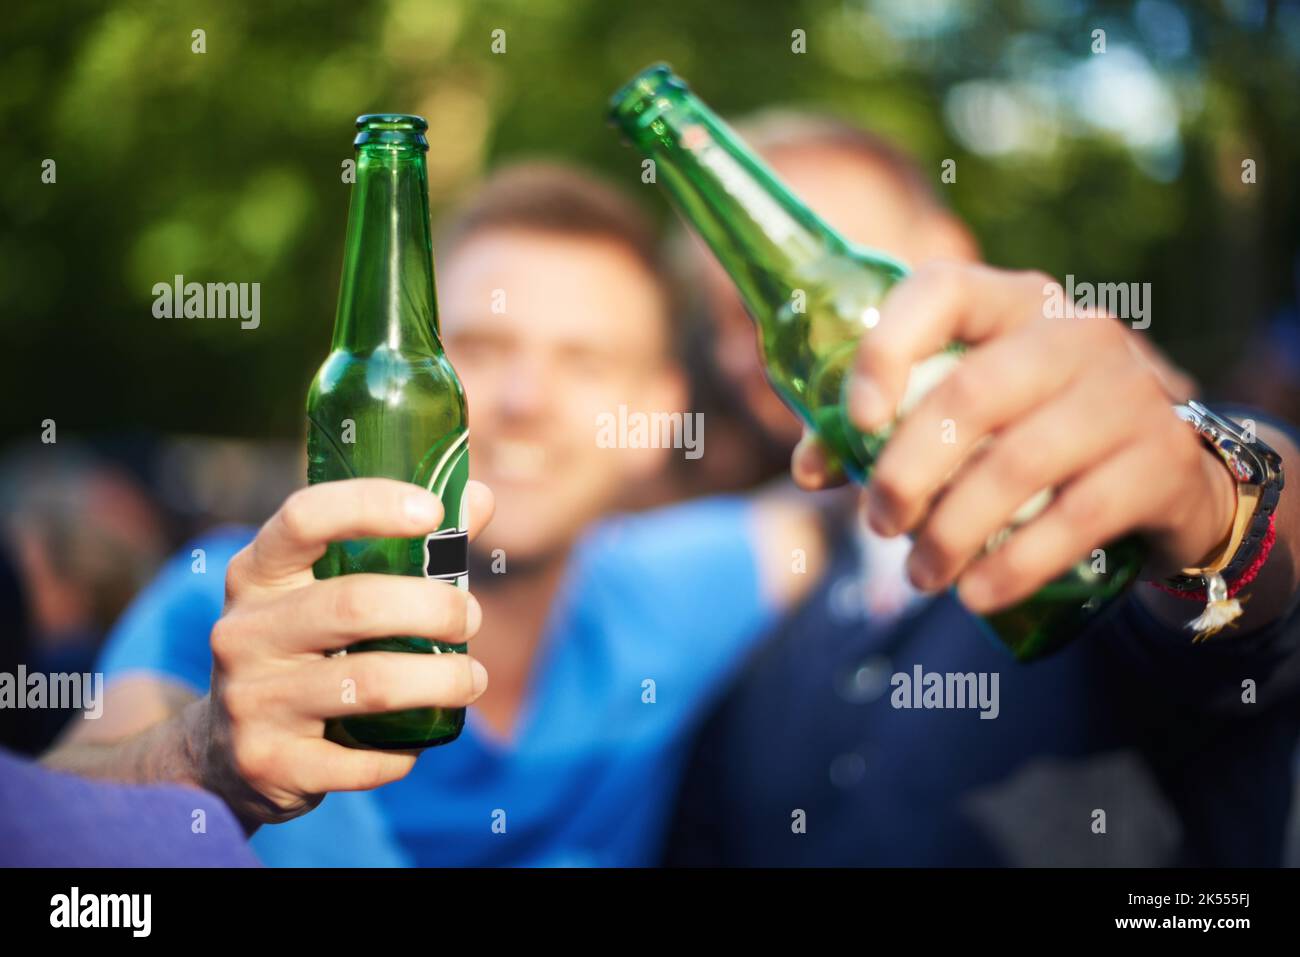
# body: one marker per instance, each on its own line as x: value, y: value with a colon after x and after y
x: 386, y: 402
x: 812, y: 295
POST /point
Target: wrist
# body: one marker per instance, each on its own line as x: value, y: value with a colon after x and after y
x: 1204, y: 526
x: 192, y: 745
x: 1220, y: 508
x: 1256, y: 471
x: 207, y: 765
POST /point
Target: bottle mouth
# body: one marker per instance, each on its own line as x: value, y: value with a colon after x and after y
x: 391, y: 129
x: 641, y: 99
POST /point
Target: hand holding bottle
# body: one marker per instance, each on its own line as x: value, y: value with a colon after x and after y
x: 1082, y: 406
x: 256, y: 739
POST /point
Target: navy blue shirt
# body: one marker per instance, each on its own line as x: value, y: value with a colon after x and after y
x: 1130, y: 747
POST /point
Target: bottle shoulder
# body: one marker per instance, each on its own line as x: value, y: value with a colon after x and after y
x: 385, y: 373
x: 398, y: 363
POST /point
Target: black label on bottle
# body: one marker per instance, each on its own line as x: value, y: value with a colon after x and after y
x: 447, y: 555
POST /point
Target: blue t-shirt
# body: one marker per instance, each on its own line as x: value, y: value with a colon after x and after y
x: 656, y: 613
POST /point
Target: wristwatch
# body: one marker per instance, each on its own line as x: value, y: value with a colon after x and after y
x: 1257, y: 471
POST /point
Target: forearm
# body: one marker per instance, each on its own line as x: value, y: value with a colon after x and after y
x: 164, y: 753
x: 1273, y: 591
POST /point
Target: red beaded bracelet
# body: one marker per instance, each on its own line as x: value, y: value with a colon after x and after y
x: 1244, y: 579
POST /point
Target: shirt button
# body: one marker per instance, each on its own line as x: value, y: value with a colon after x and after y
x: 865, y: 682
x: 846, y: 602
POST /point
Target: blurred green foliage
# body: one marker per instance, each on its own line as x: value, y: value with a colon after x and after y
x: 225, y: 165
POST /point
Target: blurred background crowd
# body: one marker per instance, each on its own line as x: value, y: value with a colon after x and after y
x: 1115, y: 166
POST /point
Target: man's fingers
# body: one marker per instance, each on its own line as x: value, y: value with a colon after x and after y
x: 480, y: 506
x: 993, y: 385
x: 298, y: 700
x: 323, y: 766
x: 1043, y: 450
x: 1084, y: 515
x: 812, y: 468
x: 938, y: 304
x: 296, y: 536
x: 374, y: 682
x: 331, y: 614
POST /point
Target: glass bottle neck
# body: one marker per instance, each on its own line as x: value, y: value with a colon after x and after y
x: 763, y: 236
x: 387, y: 298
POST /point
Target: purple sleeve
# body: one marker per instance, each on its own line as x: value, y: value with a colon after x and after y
x: 52, y: 819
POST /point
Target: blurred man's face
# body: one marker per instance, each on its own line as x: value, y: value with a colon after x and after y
x: 547, y: 332
x: 863, y: 201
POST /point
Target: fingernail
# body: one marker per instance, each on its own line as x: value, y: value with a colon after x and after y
x: 867, y: 406
x: 473, y: 616
x: 478, y: 677
x: 921, y: 571
x: 423, y: 508
x: 878, y: 514
x: 811, y: 454
x: 809, y: 463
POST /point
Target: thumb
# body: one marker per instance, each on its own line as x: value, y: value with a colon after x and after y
x: 812, y: 467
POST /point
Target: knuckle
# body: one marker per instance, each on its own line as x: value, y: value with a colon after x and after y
x: 252, y: 756
x: 1082, y: 508
x: 1132, y: 374
x: 350, y: 605
x: 1157, y: 396
x: 963, y: 390
x: 1018, y: 559
x: 376, y: 682
x: 940, y: 272
x: 224, y: 642
x: 946, y: 278
x: 1129, y: 382
x: 1137, y: 394
x: 237, y: 573
x: 1100, y: 331
x: 1021, y: 470
x: 890, y: 486
x: 886, y: 352
x: 237, y: 701
x: 294, y: 514
x: 887, y: 356
x: 1160, y: 423
x: 1035, y: 281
